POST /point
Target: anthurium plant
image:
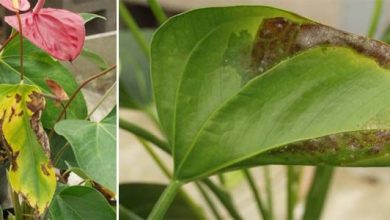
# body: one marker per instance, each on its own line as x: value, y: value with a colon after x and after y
x: 40, y: 145
x: 246, y: 86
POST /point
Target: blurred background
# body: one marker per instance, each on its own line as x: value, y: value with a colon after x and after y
x: 355, y: 193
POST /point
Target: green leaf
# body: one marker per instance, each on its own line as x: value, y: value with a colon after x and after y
x: 235, y: 84
x: 31, y: 172
x: 140, y: 199
x: 94, y: 146
x: 57, y: 143
x: 87, y: 17
x: 135, y: 86
x: 95, y: 58
x: 79, y: 203
x: 38, y: 66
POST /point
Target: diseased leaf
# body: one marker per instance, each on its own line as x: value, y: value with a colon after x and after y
x: 31, y: 172
x: 233, y: 90
x: 38, y: 66
x: 94, y: 146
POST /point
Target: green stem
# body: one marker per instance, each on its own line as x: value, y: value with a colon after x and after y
x: 262, y: 210
x: 168, y: 174
x: 208, y: 200
x: 221, y: 179
x: 375, y: 18
x: 165, y: 200
x: 101, y: 101
x: 292, y: 189
x: 268, y: 189
x: 128, y: 19
x: 17, y: 207
x: 138, y: 131
x: 157, y: 11
x: 155, y: 157
x: 317, y: 195
x: 223, y: 197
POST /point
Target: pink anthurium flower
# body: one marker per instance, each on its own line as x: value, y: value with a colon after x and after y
x: 16, y: 5
x: 60, y: 33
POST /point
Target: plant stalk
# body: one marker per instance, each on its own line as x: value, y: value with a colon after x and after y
x: 16, y: 204
x: 268, y: 189
x: 157, y: 11
x: 255, y: 192
x: 223, y: 197
x: 169, y: 175
x: 100, y: 102
x: 165, y: 200
x: 317, y: 195
x: 209, y: 202
x: 21, y: 47
x: 375, y: 18
x: 138, y: 131
x: 292, y: 190
x: 128, y: 19
x: 86, y: 82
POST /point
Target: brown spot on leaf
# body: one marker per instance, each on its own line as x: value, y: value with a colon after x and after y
x: 14, y: 164
x: 279, y: 38
x: 12, y: 114
x: 44, y: 170
x: 20, y: 113
x: 18, y: 98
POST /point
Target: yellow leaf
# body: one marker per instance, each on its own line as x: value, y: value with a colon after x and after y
x: 31, y: 173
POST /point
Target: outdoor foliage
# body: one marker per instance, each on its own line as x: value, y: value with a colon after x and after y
x: 244, y: 86
x: 34, y: 100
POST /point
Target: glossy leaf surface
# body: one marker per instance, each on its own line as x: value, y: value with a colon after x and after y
x: 31, y: 173
x: 38, y: 67
x: 94, y: 146
x: 233, y: 83
x: 78, y: 203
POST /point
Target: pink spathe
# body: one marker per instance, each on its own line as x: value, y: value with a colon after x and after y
x: 59, y: 32
x: 24, y: 5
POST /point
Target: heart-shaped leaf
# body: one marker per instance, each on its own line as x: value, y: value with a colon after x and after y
x: 16, y: 5
x: 78, y: 203
x: 241, y: 81
x: 59, y: 32
x: 94, y: 146
x: 31, y: 173
x: 38, y: 67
